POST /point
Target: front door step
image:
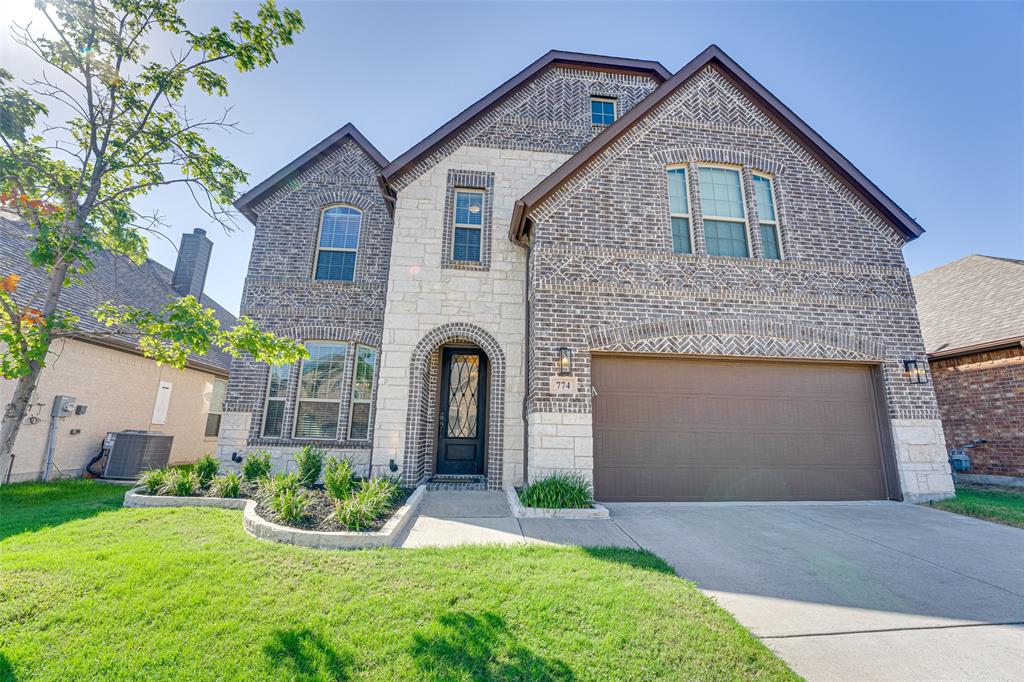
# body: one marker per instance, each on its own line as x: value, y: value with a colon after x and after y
x: 455, y: 482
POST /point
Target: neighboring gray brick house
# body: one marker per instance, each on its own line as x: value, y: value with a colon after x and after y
x: 667, y: 283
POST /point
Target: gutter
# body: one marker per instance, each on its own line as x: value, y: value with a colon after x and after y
x: 1012, y: 342
x: 128, y: 347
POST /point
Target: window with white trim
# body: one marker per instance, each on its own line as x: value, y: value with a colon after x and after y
x: 767, y: 219
x: 277, y: 390
x: 721, y: 201
x: 362, y: 393
x: 602, y: 111
x: 469, y: 223
x: 320, y: 389
x: 220, y: 389
x: 338, y: 244
x: 679, y: 208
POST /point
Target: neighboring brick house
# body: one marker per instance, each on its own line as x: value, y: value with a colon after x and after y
x: 105, y: 373
x: 972, y: 318
x: 667, y: 283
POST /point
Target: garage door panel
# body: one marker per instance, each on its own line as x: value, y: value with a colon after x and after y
x: 681, y: 429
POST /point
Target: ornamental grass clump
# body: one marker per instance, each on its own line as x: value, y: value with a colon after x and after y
x: 206, y: 467
x: 256, y: 465
x: 181, y: 483
x: 368, y: 502
x: 338, y: 478
x: 228, y: 485
x: 153, y: 481
x: 290, y: 505
x: 274, y: 486
x: 558, y: 491
x: 310, y: 462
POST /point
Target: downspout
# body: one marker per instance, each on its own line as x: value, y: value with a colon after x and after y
x: 526, y: 365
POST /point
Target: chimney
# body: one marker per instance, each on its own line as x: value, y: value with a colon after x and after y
x: 193, y: 261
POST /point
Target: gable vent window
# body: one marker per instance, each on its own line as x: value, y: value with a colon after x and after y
x: 721, y: 199
x: 679, y: 207
x: 602, y: 111
x: 277, y: 387
x: 469, y: 220
x: 319, y: 399
x: 339, y: 241
x: 767, y: 220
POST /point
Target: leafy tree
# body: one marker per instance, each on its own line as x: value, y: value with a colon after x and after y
x: 122, y: 131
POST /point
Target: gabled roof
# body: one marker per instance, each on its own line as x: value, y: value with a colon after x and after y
x: 113, y: 278
x: 506, y: 89
x: 971, y: 304
x: 247, y: 201
x: 779, y: 113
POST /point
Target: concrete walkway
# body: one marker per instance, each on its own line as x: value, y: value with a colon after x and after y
x: 448, y: 518
x: 860, y: 591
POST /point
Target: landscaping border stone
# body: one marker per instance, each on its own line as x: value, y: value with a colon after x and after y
x: 521, y: 512
x: 260, y: 527
x: 134, y: 498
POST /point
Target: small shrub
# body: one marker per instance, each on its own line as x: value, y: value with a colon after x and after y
x: 274, y: 486
x: 206, y: 467
x: 338, y: 478
x: 256, y: 465
x: 181, y: 483
x: 558, y: 491
x: 310, y: 462
x: 153, y: 481
x: 290, y: 505
x: 368, y: 502
x: 229, y: 485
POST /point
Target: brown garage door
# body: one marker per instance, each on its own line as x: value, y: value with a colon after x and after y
x: 696, y: 430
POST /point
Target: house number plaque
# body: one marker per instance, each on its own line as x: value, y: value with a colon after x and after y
x: 562, y: 385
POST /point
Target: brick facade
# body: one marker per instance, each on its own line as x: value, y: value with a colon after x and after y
x: 982, y: 396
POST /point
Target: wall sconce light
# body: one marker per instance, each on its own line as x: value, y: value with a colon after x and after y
x: 915, y: 372
x: 563, y: 362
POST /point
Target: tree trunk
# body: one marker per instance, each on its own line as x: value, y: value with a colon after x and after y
x: 17, y: 409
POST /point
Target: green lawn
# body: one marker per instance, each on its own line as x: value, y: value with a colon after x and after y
x: 992, y: 504
x: 91, y: 591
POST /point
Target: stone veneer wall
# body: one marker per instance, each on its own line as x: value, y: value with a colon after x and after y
x: 603, y: 276
x: 982, y: 396
x: 281, y: 295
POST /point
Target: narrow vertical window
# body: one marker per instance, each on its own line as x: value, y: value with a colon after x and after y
x: 362, y: 393
x: 602, y: 111
x: 277, y: 388
x: 679, y: 207
x: 469, y: 221
x: 319, y: 396
x: 721, y: 199
x: 220, y: 389
x: 338, y: 244
x: 767, y: 220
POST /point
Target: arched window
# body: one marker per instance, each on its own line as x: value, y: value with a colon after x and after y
x: 339, y: 241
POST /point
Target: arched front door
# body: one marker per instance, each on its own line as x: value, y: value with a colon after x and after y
x: 462, y: 413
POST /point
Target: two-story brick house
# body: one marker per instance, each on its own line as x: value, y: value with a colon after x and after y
x: 668, y: 283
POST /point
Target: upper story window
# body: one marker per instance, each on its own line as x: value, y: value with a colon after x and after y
x: 721, y: 200
x: 767, y: 220
x: 339, y: 241
x: 679, y: 207
x: 602, y: 111
x: 469, y: 222
x: 320, y: 381
x: 277, y: 388
x: 220, y: 389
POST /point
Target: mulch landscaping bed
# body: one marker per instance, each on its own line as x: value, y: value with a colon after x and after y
x: 320, y: 515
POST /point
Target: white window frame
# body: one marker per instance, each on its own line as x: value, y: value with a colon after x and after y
x: 373, y: 388
x: 320, y: 234
x: 775, y: 206
x: 267, y: 398
x: 212, y: 411
x: 456, y: 225
x: 337, y: 401
x: 743, y: 204
x: 615, y: 109
x: 689, y: 204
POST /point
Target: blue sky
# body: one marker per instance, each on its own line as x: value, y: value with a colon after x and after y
x: 927, y: 99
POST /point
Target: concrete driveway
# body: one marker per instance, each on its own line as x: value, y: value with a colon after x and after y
x: 854, y: 591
